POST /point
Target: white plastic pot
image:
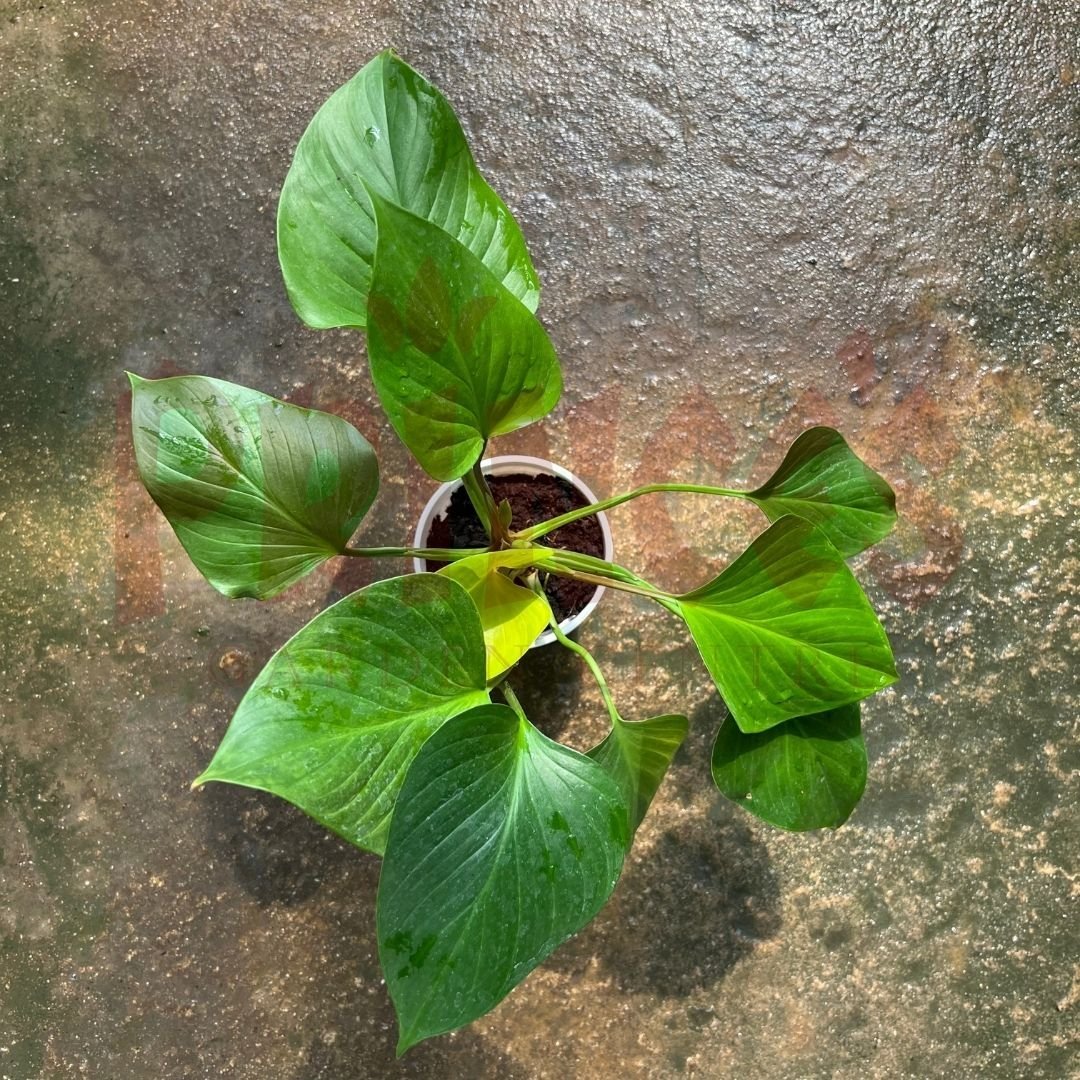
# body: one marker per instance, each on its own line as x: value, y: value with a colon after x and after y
x: 439, y: 503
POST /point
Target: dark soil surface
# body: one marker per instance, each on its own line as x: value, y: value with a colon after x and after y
x: 532, y: 499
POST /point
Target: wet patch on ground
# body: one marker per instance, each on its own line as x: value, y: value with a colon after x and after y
x: 747, y: 221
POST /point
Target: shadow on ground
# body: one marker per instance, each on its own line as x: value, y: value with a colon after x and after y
x: 277, y: 853
x: 694, y: 898
x: 461, y: 1055
x: 688, y: 908
x: 548, y: 682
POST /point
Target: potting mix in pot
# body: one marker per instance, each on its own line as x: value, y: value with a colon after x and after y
x: 391, y: 717
x: 533, y: 498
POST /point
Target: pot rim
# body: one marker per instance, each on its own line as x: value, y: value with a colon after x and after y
x: 501, y: 465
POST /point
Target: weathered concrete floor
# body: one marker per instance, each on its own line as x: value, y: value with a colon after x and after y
x: 747, y: 217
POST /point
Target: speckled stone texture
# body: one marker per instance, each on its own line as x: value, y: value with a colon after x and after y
x: 748, y: 217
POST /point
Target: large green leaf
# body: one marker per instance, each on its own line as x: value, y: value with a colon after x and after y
x: 454, y: 356
x: 389, y: 131
x: 806, y: 773
x: 637, y: 754
x: 786, y: 630
x: 511, y: 615
x: 258, y: 491
x: 337, y: 715
x: 822, y: 480
x: 503, y: 844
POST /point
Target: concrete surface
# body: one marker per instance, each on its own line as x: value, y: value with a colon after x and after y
x: 747, y: 217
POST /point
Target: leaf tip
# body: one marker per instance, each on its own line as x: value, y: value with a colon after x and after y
x: 888, y: 672
x: 379, y: 204
x: 135, y: 380
x: 406, y: 1041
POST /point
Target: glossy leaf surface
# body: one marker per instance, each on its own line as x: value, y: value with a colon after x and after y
x: 787, y: 631
x: 389, y: 131
x: 637, y: 754
x: 503, y: 844
x: 822, y: 481
x: 337, y: 715
x: 512, y: 616
x: 454, y: 356
x: 259, y: 492
x: 806, y: 773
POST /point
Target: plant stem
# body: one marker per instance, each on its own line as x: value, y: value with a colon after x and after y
x: 598, y: 675
x: 573, y: 564
x: 589, y: 564
x: 476, y: 486
x: 545, y: 527
x: 605, y: 582
x: 511, y: 699
x: 435, y: 554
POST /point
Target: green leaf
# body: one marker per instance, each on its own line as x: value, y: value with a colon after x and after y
x: 511, y: 615
x: 455, y: 358
x: 389, y: 131
x: 806, y: 773
x: 503, y: 844
x: 822, y: 481
x: 259, y: 492
x: 637, y: 754
x: 337, y: 715
x: 786, y: 630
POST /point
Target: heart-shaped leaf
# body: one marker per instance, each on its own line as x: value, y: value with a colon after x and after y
x: 806, y: 773
x: 824, y: 482
x: 503, y: 844
x: 787, y: 631
x: 454, y: 356
x: 511, y: 615
x: 337, y: 715
x: 637, y: 754
x: 389, y: 131
x: 259, y: 492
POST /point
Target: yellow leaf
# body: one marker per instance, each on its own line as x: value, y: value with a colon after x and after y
x: 511, y: 615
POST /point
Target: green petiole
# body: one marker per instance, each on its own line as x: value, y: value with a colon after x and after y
x: 476, y: 486
x: 534, y: 532
x: 574, y: 647
x: 435, y: 554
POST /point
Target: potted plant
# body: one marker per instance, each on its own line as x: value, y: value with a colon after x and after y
x: 391, y: 717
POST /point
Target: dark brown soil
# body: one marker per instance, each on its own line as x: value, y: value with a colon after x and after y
x: 532, y: 499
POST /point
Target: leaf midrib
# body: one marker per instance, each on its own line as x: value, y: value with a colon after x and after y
x: 820, y: 500
x: 716, y: 613
x: 513, y: 780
